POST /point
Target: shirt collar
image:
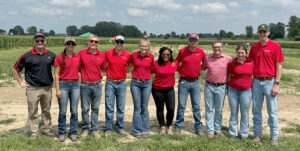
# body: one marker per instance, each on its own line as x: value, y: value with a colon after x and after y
x: 115, y: 52
x: 35, y: 52
x: 139, y: 55
x: 88, y: 52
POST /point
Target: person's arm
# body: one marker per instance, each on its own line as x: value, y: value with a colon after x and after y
x: 19, y: 79
x: 275, y: 88
x: 56, y: 79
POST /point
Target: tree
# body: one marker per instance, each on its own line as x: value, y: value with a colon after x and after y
x: 31, y: 30
x: 167, y: 36
x: 293, y: 27
x: 84, y: 29
x: 42, y: 31
x: 52, y: 32
x: 230, y: 35
x: 2, y: 31
x: 249, y: 32
x: 277, y: 31
x: 17, y: 30
x: 131, y: 31
x: 72, y: 30
x: 222, y: 33
x: 144, y: 33
x: 182, y: 36
x: 173, y: 34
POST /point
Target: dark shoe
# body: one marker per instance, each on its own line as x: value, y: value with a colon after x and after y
x: 257, y: 139
x: 48, y: 133
x: 33, y: 136
x: 62, y: 138
x: 73, y: 138
x: 274, y: 142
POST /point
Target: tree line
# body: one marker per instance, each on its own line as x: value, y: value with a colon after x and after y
x: 110, y: 29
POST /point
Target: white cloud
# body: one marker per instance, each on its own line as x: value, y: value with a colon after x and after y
x: 75, y: 3
x: 216, y: 7
x: 14, y: 13
x: 290, y: 3
x: 254, y: 13
x: 166, y: 4
x: 234, y: 5
x: 137, y: 12
x: 158, y: 18
x: 43, y: 10
x: 2, y: 16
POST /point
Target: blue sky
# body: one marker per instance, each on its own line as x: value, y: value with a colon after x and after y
x: 155, y: 16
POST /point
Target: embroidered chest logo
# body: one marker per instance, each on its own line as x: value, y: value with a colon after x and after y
x: 267, y: 51
x: 173, y: 64
x: 49, y: 57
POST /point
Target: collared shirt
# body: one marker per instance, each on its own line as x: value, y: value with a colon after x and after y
x: 241, y: 74
x: 216, y: 68
x: 70, y: 69
x: 117, y: 64
x: 141, y: 65
x: 190, y: 62
x: 265, y: 58
x: 164, y: 74
x: 92, y: 65
x: 37, y: 67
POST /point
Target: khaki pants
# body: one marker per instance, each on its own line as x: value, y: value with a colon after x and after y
x: 34, y: 96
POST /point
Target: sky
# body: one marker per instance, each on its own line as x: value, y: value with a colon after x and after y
x: 152, y: 16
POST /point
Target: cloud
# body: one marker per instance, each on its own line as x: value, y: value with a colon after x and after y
x: 158, y: 18
x: 137, y: 12
x: 44, y: 10
x: 166, y: 4
x: 2, y: 16
x: 234, y: 5
x: 216, y: 7
x: 254, y: 13
x: 75, y: 3
x: 14, y: 13
x: 284, y: 3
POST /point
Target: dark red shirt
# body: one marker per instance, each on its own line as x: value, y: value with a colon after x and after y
x: 265, y: 58
x: 164, y: 74
x: 190, y: 62
x: 70, y: 69
x: 117, y: 64
x: 141, y: 65
x: 91, y: 65
x: 241, y: 74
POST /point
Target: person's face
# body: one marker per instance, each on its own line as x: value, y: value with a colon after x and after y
x: 193, y: 42
x: 217, y: 49
x: 263, y: 35
x: 93, y: 42
x: 70, y: 45
x: 166, y: 55
x: 39, y: 42
x: 119, y: 44
x: 144, y: 47
x: 241, y: 54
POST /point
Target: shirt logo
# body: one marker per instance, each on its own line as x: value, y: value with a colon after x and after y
x: 173, y: 64
x: 267, y: 51
x: 49, y: 57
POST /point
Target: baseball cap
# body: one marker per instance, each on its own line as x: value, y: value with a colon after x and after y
x: 120, y: 37
x: 38, y: 34
x: 70, y: 39
x: 263, y: 27
x: 193, y: 36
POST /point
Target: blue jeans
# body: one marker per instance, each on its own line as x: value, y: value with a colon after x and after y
x: 69, y: 90
x: 140, y: 92
x: 261, y: 89
x: 184, y: 89
x: 214, y: 97
x: 114, y: 91
x: 239, y: 99
x: 90, y: 97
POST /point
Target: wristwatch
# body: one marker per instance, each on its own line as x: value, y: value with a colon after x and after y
x: 277, y: 83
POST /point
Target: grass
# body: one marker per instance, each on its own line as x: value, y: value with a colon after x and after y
x: 7, y: 121
x: 293, y: 128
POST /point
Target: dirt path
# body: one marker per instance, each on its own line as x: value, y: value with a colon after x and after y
x: 13, y: 105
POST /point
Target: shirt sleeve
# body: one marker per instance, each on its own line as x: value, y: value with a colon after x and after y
x: 20, y: 64
x: 251, y: 55
x: 279, y: 55
x: 204, y: 64
x: 104, y: 65
x: 57, y: 61
x: 152, y: 68
x: 179, y: 57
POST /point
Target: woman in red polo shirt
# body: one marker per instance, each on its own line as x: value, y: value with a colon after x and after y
x: 67, y: 87
x: 140, y: 87
x: 240, y: 72
x: 163, y: 88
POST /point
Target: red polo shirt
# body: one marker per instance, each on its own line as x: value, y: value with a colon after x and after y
x: 141, y: 65
x: 117, y: 65
x: 190, y: 62
x: 70, y: 69
x: 164, y: 74
x: 241, y: 74
x: 92, y: 65
x: 265, y: 58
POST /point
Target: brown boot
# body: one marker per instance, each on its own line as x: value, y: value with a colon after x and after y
x: 84, y: 135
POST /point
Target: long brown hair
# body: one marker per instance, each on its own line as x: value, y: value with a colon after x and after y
x: 63, y: 53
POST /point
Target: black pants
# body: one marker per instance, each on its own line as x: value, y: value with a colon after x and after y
x: 161, y: 97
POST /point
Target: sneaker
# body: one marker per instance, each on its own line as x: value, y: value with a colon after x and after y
x: 96, y: 135
x: 145, y: 135
x: 177, y: 131
x: 62, y: 138
x: 48, y: 133
x: 210, y: 136
x: 162, y: 130
x: 107, y: 133
x: 73, y: 138
x: 257, y: 139
x: 170, y: 130
x: 274, y: 142
x: 139, y: 135
x: 33, y: 136
x: 84, y: 135
x: 200, y: 132
x: 122, y: 132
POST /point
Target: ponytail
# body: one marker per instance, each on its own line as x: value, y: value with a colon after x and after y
x: 63, y: 56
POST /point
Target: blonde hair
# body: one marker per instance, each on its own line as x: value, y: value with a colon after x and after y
x: 146, y: 40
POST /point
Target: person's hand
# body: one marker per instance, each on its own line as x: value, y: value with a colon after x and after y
x: 58, y: 94
x: 24, y: 85
x: 275, y: 90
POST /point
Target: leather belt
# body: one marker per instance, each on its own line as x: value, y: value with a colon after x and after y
x: 189, y: 79
x: 216, y: 84
x: 264, y: 78
x: 140, y: 80
x: 69, y: 80
x: 91, y: 83
x: 115, y: 81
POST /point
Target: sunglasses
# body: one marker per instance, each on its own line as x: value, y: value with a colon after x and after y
x: 94, y: 41
x: 193, y: 40
x: 166, y: 54
x: 37, y: 41
x: 70, y: 43
x: 120, y: 42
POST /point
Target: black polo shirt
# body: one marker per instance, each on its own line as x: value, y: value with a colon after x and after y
x: 37, y: 67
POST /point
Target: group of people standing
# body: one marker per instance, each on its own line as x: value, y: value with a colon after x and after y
x: 242, y: 78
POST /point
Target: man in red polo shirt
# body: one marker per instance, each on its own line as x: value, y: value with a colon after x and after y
x: 267, y: 56
x: 115, y: 86
x: 190, y: 58
x: 93, y: 63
